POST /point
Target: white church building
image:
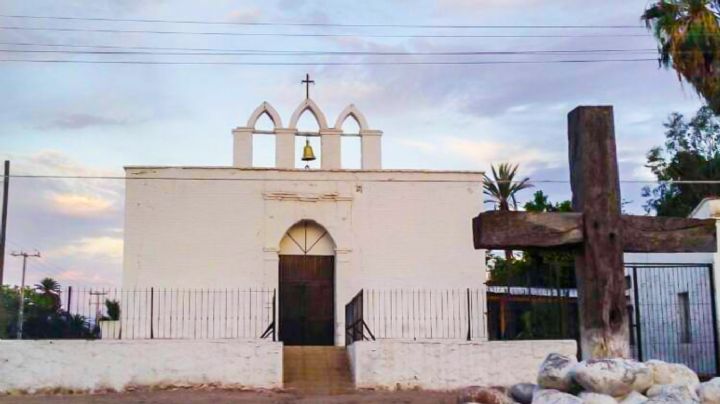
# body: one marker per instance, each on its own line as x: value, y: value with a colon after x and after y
x: 316, y: 236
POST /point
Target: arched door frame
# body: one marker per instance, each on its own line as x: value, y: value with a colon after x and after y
x: 301, y: 249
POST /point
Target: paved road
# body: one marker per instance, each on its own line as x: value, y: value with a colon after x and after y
x: 235, y: 396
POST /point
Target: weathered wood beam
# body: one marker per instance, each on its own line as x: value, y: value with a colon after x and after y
x: 524, y: 230
x: 668, y: 234
x: 595, y: 182
x: 498, y: 230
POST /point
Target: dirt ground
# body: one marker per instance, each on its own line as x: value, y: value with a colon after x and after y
x: 217, y: 396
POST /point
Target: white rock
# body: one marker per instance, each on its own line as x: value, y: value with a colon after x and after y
x: 555, y: 372
x: 672, y: 393
x: 673, y: 373
x: 614, y: 377
x: 595, y: 398
x: 709, y: 392
x: 633, y: 398
x: 551, y: 396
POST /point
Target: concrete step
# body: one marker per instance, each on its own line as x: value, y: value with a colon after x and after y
x: 317, y: 370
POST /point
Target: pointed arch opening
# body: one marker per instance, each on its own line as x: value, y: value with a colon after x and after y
x: 268, y: 110
x: 351, y: 111
x: 263, y: 143
x: 350, y: 145
x: 308, y: 105
x: 308, y: 124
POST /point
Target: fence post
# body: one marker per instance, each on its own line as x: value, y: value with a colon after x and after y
x: 469, y: 316
x: 638, y: 330
x: 69, y: 301
x: 152, y: 333
x: 713, y: 302
x: 274, y: 320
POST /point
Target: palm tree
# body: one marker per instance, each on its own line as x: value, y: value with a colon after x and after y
x: 50, y: 288
x: 502, y: 188
x: 688, y: 32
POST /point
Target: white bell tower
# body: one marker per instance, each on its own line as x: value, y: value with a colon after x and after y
x: 285, y: 137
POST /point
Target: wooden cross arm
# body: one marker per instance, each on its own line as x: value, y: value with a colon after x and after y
x: 668, y: 234
x: 499, y: 230
x: 521, y: 230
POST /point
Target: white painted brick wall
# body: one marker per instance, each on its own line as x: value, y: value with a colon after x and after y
x: 81, y: 365
x: 446, y: 365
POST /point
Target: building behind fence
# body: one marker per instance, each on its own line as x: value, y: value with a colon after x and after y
x: 673, y: 313
x: 416, y: 314
x: 177, y: 313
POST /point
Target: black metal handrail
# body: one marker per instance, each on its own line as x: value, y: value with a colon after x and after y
x: 270, y: 330
x: 355, y: 325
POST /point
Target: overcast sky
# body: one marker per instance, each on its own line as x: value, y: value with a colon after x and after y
x: 89, y: 119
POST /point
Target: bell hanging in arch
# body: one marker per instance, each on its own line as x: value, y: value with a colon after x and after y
x: 308, y: 154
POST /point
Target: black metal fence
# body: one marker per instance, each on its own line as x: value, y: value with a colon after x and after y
x: 525, y: 312
x: 671, y: 308
x: 152, y: 313
x: 416, y: 314
x: 673, y: 314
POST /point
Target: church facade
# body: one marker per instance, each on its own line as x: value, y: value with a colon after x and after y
x: 317, y: 236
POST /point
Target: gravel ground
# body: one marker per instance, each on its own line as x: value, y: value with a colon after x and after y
x: 216, y: 396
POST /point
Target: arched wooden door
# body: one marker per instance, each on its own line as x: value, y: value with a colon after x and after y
x: 307, y: 286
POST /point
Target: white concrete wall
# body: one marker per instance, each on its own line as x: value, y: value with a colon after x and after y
x: 79, y: 365
x: 391, y: 229
x: 446, y: 365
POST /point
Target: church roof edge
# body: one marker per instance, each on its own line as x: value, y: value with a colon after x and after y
x: 300, y: 170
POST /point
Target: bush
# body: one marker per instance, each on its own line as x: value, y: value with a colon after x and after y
x: 113, y: 310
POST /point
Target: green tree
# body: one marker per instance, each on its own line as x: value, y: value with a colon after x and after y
x: 688, y: 34
x: 540, y: 203
x: 49, y: 288
x: 43, y: 316
x: 691, y: 152
x: 502, y: 189
x: 539, y: 268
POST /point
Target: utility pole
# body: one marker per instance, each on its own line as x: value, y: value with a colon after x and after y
x: 98, y: 312
x: 21, y: 308
x: 3, y: 221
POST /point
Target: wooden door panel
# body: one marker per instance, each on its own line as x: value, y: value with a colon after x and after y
x: 307, y: 311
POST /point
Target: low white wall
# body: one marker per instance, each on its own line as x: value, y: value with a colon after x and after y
x: 80, y: 365
x: 446, y: 365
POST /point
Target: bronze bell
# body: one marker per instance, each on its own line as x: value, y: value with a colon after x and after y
x: 308, y: 154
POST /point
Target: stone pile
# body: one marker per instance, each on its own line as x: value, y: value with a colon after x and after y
x: 564, y: 380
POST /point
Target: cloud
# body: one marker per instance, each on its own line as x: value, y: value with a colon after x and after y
x: 110, y: 248
x: 76, y: 277
x: 465, y: 5
x: 248, y: 14
x: 488, y: 152
x: 81, y: 121
x: 80, y: 205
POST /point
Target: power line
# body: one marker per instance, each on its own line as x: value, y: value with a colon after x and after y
x: 256, y: 52
x: 363, y: 63
x: 49, y: 269
x: 320, y: 24
x: 288, y: 34
x: 117, y: 177
x: 293, y: 52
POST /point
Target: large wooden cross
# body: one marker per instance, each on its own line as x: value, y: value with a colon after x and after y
x: 597, y: 231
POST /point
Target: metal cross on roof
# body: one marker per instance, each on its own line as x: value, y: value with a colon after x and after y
x: 307, y: 83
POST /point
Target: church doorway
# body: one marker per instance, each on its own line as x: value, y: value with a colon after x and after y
x: 307, y: 286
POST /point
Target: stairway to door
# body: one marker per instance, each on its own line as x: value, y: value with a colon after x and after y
x: 317, y: 370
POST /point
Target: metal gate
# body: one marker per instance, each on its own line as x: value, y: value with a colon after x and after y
x: 673, y: 314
